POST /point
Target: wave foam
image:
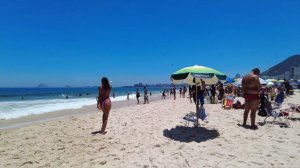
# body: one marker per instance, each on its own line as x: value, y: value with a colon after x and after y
x: 15, y: 109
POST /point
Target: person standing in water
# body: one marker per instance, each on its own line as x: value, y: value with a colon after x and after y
x: 104, y: 103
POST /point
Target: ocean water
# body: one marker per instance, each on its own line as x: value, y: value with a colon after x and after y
x: 18, y: 102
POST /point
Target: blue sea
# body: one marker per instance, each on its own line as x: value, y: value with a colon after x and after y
x: 18, y: 102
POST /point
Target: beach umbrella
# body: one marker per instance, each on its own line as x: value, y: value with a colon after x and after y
x: 261, y: 81
x: 208, y: 75
x: 229, y: 80
x: 272, y: 80
x: 188, y: 74
x: 270, y: 84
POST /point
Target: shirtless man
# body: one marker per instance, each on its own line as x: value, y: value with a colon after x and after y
x: 251, y: 88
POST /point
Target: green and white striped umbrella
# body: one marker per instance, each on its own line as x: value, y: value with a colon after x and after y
x: 209, y: 75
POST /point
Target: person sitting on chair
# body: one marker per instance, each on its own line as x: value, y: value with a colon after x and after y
x: 279, y: 97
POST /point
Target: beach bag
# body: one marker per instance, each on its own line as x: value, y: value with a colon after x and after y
x: 243, y: 106
x: 262, y: 112
x: 201, y: 113
x: 237, y: 105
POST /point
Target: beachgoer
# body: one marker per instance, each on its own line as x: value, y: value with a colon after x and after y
x: 138, y: 95
x: 199, y: 92
x: 114, y: 95
x: 146, y: 96
x: 184, y: 91
x: 190, y: 93
x: 163, y: 94
x: 251, y: 88
x: 287, y: 87
x: 174, y: 92
x: 279, y: 97
x: 180, y: 92
x: 104, y: 103
x: 221, y: 90
x: 127, y: 96
x: 213, y: 94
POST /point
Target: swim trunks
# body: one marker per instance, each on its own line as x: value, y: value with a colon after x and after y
x: 249, y: 97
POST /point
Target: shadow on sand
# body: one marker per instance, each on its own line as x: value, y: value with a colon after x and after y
x: 190, y: 134
x: 294, y: 119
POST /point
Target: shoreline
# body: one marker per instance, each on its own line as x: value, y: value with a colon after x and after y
x: 61, y: 114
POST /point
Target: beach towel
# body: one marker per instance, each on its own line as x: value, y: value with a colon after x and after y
x: 201, y: 113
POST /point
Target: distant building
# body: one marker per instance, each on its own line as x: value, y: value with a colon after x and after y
x: 296, y: 72
x: 293, y: 73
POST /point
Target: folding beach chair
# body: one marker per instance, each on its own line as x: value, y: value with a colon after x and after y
x: 191, y: 117
x: 293, y: 108
x: 276, y: 114
x: 276, y: 105
x: 228, y: 102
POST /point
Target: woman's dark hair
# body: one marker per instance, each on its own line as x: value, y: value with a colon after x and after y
x: 105, y: 83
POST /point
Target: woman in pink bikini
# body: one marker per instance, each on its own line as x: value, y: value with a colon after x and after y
x: 104, y: 103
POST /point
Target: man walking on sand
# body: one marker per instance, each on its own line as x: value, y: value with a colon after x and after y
x: 251, y: 88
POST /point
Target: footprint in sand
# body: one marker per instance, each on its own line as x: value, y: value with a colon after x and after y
x: 101, y: 148
x: 157, y: 145
x: 232, y: 156
x: 103, y: 163
x: 292, y: 157
x: 111, y: 155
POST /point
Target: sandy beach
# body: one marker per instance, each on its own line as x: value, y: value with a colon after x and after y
x: 153, y: 135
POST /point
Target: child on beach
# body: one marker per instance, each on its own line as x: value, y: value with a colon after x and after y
x: 104, y: 103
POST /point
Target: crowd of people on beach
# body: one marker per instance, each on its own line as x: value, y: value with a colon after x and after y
x: 250, y: 89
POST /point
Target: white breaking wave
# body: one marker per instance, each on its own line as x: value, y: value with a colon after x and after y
x: 121, y: 98
x: 15, y: 109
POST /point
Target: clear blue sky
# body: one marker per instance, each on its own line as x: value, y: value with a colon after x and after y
x: 59, y: 42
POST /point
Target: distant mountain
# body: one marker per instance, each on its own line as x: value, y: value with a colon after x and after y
x: 237, y: 76
x: 68, y: 86
x: 283, y: 67
x: 42, y: 85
